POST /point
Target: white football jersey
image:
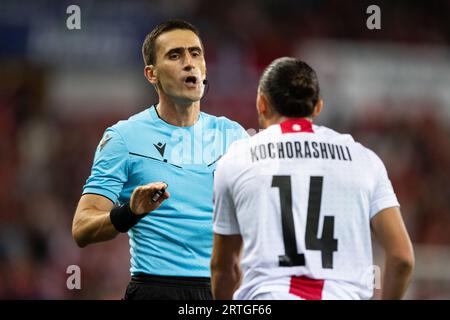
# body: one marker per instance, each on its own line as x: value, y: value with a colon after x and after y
x: 302, y: 197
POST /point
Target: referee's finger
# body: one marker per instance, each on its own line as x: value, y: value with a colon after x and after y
x: 166, y: 195
x: 155, y: 186
x: 152, y: 187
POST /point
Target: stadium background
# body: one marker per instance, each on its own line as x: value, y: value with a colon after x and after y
x: 59, y: 89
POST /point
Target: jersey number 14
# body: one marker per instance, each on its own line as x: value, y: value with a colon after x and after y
x: 326, y: 244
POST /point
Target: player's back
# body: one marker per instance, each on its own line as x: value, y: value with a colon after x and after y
x: 304, y: 196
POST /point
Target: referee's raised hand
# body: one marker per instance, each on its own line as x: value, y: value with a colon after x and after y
x: 141, y: 198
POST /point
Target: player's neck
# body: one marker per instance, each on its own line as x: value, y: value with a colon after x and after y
x: 279, y: 119
x: 178, y: 115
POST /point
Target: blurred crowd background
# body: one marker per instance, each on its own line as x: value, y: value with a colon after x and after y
x: 60, y: 89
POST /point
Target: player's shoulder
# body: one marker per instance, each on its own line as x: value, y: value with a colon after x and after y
x: 334, y: 135
x: 236, y: 154
x: 365, y: 151
x: 372, y: 157
x: 346, y: 138
x: 242, y: 145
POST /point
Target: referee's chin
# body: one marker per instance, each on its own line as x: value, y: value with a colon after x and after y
x: 187, y: 100
x: 191, y: 94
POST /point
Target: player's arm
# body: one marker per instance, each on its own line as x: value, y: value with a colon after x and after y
x: 225, y: 266
x: 92, y: 221
x: 390, y: 231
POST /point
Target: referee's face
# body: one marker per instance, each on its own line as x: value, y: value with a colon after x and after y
x: 180, y: 66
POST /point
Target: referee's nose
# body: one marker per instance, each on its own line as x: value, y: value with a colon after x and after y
x: 188, y: 67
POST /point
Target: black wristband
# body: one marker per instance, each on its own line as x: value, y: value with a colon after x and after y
x: 123, y: 218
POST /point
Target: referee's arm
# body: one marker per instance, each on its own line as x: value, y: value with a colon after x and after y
x: 91, y: 222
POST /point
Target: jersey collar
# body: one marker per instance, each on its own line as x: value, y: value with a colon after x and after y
x: 294, y: 125
x: 155, y: 117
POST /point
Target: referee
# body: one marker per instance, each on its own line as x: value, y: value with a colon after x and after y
x: 152, y: 174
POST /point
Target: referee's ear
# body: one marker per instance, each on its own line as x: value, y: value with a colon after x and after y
x: 151, y: 74
x: 317, y: 108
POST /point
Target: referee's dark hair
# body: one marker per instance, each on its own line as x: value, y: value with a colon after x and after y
x: 149, y: 45
x: 291, y: 86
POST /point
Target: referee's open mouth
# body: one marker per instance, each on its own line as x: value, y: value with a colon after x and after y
x: 191, y: 81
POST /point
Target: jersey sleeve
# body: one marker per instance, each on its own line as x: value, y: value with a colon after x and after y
x: 383, y: 195
x: 224, y: 216
x: 109, y: 170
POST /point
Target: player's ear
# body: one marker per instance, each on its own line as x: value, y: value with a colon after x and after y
x: 317, y: 108
x: 261, y: 103
x: 151, y: 74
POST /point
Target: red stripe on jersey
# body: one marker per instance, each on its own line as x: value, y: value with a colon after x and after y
x: 306, y: 288
x: 293, y: 125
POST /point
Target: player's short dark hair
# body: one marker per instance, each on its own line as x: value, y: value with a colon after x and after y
x: 291, y: 86
x: 149, y: 47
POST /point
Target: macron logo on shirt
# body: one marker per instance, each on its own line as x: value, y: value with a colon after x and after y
x: 161, y: 148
